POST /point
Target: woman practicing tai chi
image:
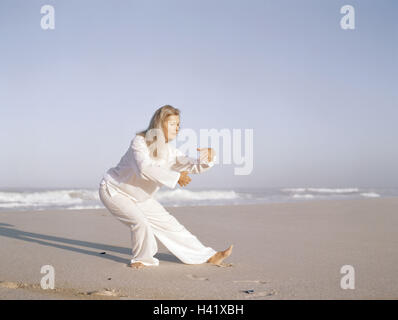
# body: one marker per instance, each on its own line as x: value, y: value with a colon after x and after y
x: 127, y: 192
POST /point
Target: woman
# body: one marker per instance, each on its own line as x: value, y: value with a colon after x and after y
x: 127, y: 192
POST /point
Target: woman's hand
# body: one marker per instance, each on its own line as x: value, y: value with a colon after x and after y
x: 184, y: 179
x: 206, y: 152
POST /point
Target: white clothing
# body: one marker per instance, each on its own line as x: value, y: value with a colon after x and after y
x: 148, y: 219
x: 126, y: 191
x: 141, y: 176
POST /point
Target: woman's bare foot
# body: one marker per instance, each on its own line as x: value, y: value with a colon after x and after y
x: 137, y: 265
x: 220, y: 256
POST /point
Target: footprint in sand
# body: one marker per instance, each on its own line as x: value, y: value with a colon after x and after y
x: 253, y: 293
x: 194, y: 277
x: 251, y: 281
x: 9, y: 285
x: 111, y: 293
x: 106, y: 292
x: 224, y: 265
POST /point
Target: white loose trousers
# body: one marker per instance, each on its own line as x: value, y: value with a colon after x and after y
x: 149, y: 219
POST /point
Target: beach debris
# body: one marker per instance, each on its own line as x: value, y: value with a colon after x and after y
x: 271, y: 292
x: 250, y: 291
x: 109, y: 278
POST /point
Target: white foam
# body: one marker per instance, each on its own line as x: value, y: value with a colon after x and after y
x: 47, y: 198
x: 306, y: 196
x: 322, y: 190
x: 85, y: 207
x: 328, y: 190
x: 370, y: 195
x: 293, y: 190
x: 76, y: 199
x: 183, y: 195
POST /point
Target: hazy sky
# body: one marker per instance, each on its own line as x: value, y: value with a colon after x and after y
x: 322, y: 101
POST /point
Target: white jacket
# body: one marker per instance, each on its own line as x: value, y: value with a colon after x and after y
x: 140, y: 176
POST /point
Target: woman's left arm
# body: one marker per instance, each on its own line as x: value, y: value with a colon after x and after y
x: 193, y: 166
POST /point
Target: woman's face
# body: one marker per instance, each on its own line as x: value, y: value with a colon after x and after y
x: 171, y: 126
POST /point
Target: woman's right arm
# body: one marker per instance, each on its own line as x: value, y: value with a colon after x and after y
x: 148, y: 168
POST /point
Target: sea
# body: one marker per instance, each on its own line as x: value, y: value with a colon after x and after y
x: 85, y: 198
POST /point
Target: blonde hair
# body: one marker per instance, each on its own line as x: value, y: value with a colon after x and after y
x: 156, y: 125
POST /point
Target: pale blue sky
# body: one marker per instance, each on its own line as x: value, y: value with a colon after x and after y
x: 322, y: 101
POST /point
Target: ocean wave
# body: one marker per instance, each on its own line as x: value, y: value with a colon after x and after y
x: 177, y: 195
x: 305, y: 196
x: 322, y: 190
x: 47, y: 198
x: 370, y: 195
x: 77, y: 199
x: 85, y: 207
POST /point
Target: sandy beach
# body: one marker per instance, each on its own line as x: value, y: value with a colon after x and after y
x: 281, y: 251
